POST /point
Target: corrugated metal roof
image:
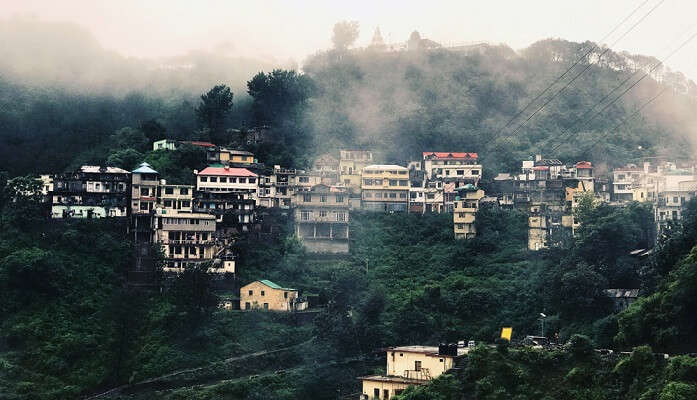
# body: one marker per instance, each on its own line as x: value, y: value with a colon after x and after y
x: 449, y: 155
x: 225, y: 171
x: 274, y: 285
x: 144, y: 168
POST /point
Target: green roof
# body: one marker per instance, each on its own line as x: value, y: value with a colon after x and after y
x: 274, y: 285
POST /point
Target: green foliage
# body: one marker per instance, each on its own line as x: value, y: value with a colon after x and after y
x: 213, y: 110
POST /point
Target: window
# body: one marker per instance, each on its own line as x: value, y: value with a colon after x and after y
x: 304, y: 179
x: 307, y: 198
x: 460, y: 172
x: 376, y: 393
x: 305, y: 215
x: 385, y: 393
x: 393, y: 182
x: 322, y: 213
x: 144, y: 191
x: 323, y: 199
x: 247, y: 306
x: 417, y: 365
x: 252, y: 180
x: 184, y: 191
x: 169, y: 190
x: 266, y: 306
x: 368, y: 195
x: 377, y: 182
x: 393, y: 195
x: 402, y: 195
x: 475, y: 172
x: 366, y: 182
x: 223, y: 179
x: 339, y: 198
x: 186, y: 204
x: 203, y: 178
x: 285, y: 295
x: 341, y: 216
x: 675, y: 199
x: 378, y: 195
x: 243, y: 180
x: 144, y: 206
x: 168, y: 203
x: 263, y: 293
x: 233, y: 180
x: 251, y: 293
x: 403, y: 182
x: 214, y: 179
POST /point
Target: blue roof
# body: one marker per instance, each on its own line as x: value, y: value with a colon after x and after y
x: 144, y: 168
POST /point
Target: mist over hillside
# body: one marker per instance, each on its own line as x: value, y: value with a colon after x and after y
x: 67, y: 57
x: 458, y: 99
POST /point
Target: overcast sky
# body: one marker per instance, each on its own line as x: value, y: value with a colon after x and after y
x: 293, y: 29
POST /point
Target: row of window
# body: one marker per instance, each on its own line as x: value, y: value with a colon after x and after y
x: 385, y: 195
x: 182, y: 191
x: 183, y: 204
x: 225, y: 179
x: 339, y: 216
x: 378, y: 172
x: 390, y: 182
x: 307, y: 198
x: 263, y: 293
x: 187, y: 221
x: 459, y: 172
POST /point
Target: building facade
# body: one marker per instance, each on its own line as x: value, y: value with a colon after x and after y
x: 90, y: 192
x: 465, y: 211
x: 267, y: 295
x: 351, y: 163
x: 321, y: 217
x: 385, y: 188
x: 410, y: 365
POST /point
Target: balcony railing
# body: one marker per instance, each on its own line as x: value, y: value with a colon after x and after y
x: 423, y: 374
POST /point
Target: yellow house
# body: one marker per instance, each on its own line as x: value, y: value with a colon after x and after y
x: 410, y: 365
x: 266, y: 295
x: 385, y: 188
x: 465, y: 210
x: 351, y: 163
x: 228, y: 156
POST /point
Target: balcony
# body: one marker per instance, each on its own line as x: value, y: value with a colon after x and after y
x: 423, y: 374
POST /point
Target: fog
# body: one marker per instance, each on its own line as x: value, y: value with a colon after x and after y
x: 100, y: 43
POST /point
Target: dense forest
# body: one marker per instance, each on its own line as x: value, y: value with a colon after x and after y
x: 70, y: 327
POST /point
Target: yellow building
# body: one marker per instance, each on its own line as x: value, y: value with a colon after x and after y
x: 228, y: 156
x: 266, y: 295
x: 385, y: 188
x: 465, y: 210
x: 351, y: 163
x: 410, y: 365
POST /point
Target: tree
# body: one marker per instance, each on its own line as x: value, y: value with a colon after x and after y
x: 128, y: 137
x: 213, y: 110
x: 345, y: 34
x: 153, y: 130
x: 127, y: 159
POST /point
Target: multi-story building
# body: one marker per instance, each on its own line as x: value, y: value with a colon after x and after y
x: 351, y: 163
x: 229, y: 193
x: 145, y: 184
x: 327, y: 167
x: 465, y: 210
x: 452, y: 166
x: 321, y: 217
x: 410, y: 365
x: 276, y: 188
x: 385, y: 188
x: 624, y: 181
x: 267, y: 295
x: 175, y: 197
x: 185, y: 238
x: 90, y: 192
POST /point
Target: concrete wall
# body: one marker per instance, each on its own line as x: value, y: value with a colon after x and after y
x: 326, y: 246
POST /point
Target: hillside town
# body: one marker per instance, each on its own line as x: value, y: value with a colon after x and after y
x: 234, y: 192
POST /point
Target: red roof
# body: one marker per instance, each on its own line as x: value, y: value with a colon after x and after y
x: 584, y: 164
x: 541, y: 168
x: 217, y: 171
x: 442, y: 155
x: 200, y: 144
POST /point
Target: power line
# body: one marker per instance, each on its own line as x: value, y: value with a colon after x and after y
x: 595, y: 46
x: 568, y: 131
x: 632, y: 115
x: 659, y: 63
x: 586, y: 68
